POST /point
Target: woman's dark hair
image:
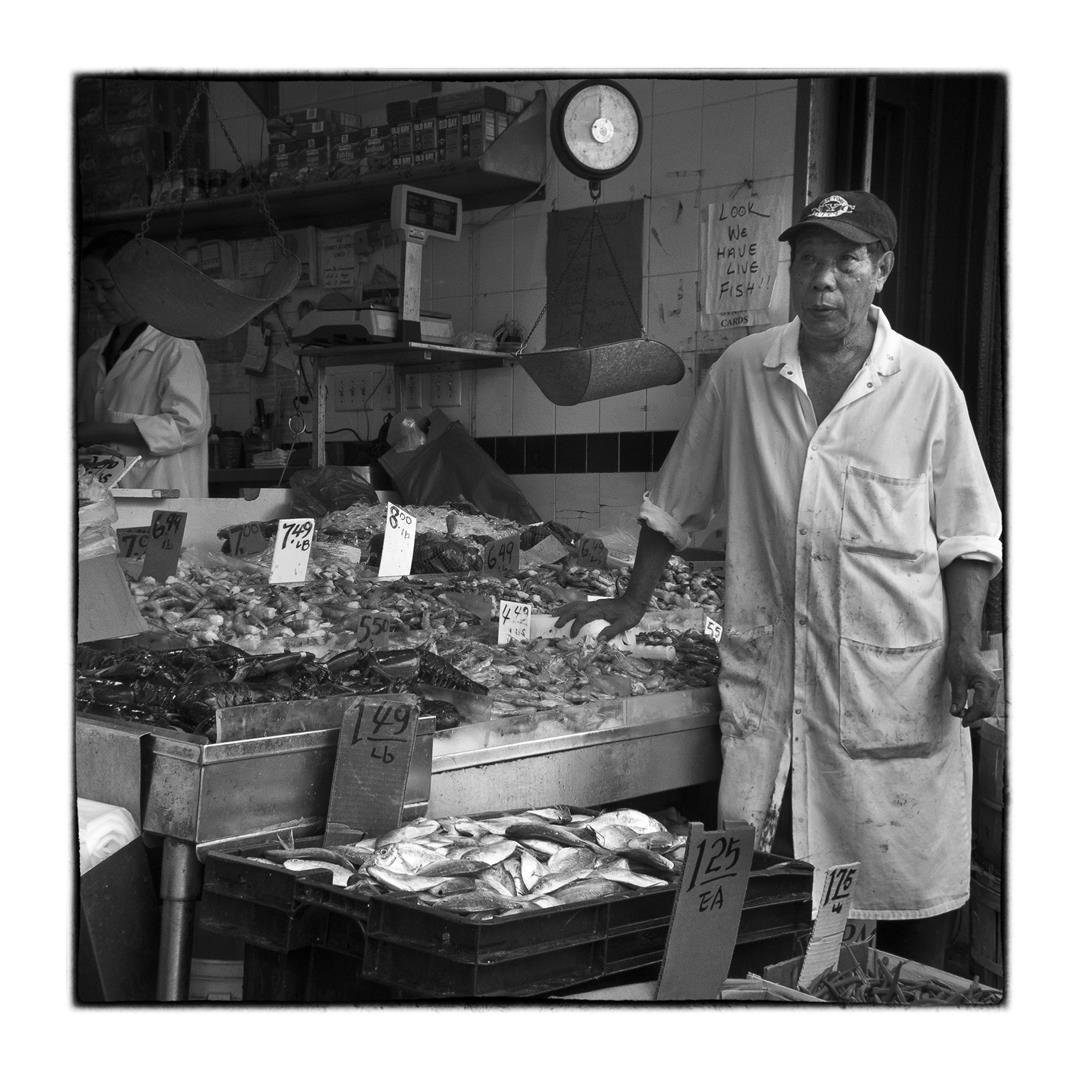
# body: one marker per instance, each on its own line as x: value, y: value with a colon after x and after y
x: 105, y: 246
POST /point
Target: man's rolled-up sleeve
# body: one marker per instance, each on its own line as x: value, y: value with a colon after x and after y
x: 184, y: 416
x: 967, y: 517
x: 684, y: 496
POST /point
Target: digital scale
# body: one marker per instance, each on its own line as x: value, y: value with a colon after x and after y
x: 415, y: 215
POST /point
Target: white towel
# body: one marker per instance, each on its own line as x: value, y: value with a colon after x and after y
x: 103, y: 830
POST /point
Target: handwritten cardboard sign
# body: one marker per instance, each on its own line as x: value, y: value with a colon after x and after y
x: 514, y: 621
x: 375, y: 749
x: 247, y: 539
x: 399, y: 539
x: 708, y: 909
x: 591, y: 552
x: 292, y: 550
x: 372, y: 630
x: 164, y: 544
x: 132, y: 543
x: 830, y: 923
x: 107, y: 466
x: 502, y: 556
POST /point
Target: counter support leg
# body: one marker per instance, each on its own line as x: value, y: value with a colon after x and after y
x: 181, y: 883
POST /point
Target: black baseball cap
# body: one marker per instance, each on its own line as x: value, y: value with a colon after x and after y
x: 855, y: 215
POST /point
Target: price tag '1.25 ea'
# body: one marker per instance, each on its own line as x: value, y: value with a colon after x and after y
x: 399, y: 539
x: 292, y: 550
x: 513, y: 621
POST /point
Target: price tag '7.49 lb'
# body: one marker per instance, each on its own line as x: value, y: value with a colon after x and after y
x: 163, y: 548
x: 375, y: 749
x: 501, y: 556
x: 708, y: 908
x: 399, y: 539
x: 292, y: 550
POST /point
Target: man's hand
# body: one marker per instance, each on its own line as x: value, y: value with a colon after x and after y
x: 966, y: 671
x: 621, y: 613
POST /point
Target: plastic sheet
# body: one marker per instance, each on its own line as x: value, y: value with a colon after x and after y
x: 103, y: 830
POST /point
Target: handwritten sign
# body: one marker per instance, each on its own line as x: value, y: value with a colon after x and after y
x: 830, y: 923
x: 502, y: 556
x: 164, y: 544
x: 399, y: 539
x: 713, y: 629
x: 591, y: 551
x: 106, y: 466
x: 372, y: 631
x: 292, y: 550
x: 741, y: 255
x: 708, y: 908
x: 375, y: 750
x: 247, y: 539
x: 514, y: 621
x: 132, y: 543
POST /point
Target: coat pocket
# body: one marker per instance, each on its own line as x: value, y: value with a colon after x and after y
x: 745, y: 656
x: 893, y: 702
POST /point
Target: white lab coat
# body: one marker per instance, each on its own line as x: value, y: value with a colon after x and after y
x: 835, y: 622
x: 159, y: 382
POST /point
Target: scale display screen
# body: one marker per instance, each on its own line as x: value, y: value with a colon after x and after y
x: 435, y: 215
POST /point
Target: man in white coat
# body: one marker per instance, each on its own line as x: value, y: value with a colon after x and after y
x: 862, y: 532
x: 140, y: 391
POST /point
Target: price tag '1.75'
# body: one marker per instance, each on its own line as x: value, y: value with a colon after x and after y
x: 827, y: 933
x: 399, y: 539
x: 292, y: 550
x: 513, y: 621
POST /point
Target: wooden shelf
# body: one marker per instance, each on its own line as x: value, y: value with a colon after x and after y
x: 511, y: 170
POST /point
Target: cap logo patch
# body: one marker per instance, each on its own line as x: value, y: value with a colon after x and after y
x: 833, y: 206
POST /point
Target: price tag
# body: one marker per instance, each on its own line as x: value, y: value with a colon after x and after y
x: 591, y: 552
x: 375, y: 750
x: 163, y: 547
x: 107, y: 466
x: 713, y: 629
x: 372, y: 631
x: 247, y: 539
x: 830, y: 923
x: 708, y: 908
x: 292, y: 549
x: 514, y: 621
x: 133, y: 543
x: 502, y: 556
x: 399, y: 538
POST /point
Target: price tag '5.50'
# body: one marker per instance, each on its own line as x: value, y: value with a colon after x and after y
x: 292, y: 550
x: 372, y: 631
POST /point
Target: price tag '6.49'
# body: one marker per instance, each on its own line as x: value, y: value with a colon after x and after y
x: 592, y: 551
x: 163, y: 547
x: 514, y: 621
x: 292, y: 550
x: 501, y: 556
x: 399, y: 539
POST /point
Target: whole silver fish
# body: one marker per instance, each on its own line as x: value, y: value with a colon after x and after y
x: 571, y: 859
x: 590, y: 889
x: 410, y: 883
x: 453, y: 868
x: 411, y: 830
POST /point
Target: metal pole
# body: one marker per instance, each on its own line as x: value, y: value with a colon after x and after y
x: 181, y: 883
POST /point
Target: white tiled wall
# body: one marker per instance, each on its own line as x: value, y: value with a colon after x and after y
x: 702, y: 138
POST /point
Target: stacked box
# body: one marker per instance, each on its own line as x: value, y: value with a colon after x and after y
x: 479, y: 129
x: 400, y: 162
x: 448, y: 137
x: 485, y: 97
x: 401, y: 138
x: 424, y: 135
x: 399, y: 112
x: 297, y: 119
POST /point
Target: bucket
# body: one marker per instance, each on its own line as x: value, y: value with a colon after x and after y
x: 988, y: 825
x: 216, y: 980
x: 987, y: 953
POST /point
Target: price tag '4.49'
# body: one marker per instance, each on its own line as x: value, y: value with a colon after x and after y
x: 502, y: 556
x: 292, y: 550
x: 514, y: 621
x: 399, y: 539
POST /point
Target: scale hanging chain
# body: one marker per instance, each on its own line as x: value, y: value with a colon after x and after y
x: 260, y: 195
x: 622, y: 280
x: 171, y: 166
x: 553, y: 293
x: 588, y: 270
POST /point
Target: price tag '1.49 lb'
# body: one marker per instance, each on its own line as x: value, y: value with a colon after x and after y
x: 292, y: 550
x: 399, y: 539
x: 163, y: 547
x: 375, y: 749
x: 514, y: 621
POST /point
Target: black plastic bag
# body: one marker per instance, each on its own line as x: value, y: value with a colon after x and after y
x: 315, y: 492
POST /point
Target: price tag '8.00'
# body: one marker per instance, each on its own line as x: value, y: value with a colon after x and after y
x: 514, y: 621
x: 246, y: 539
x: 399, y: 539
x: 292, y: 550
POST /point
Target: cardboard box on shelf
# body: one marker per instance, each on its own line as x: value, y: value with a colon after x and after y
x: 484, y: 97
x: 448, y: 137
x: 424, y: 135
x: 401, y: 161
x: 399, y: 112
x: 479, y: 128
x: 401, y: 138
x: 314, y: 114
x: 425, y: 157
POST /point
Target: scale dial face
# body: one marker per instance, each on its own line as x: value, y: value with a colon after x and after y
x: 596, y: 129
